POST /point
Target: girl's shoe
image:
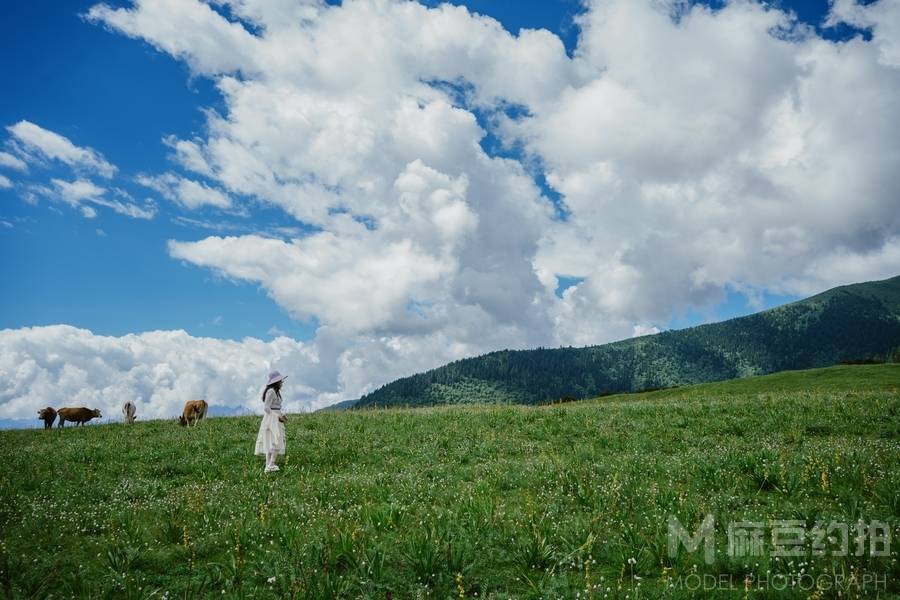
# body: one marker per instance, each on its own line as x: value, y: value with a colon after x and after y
x: 272, y: 468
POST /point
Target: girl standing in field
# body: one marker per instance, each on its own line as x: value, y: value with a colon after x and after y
x: 270, y: 440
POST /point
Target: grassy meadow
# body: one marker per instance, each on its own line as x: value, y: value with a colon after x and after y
x: 566, y: 501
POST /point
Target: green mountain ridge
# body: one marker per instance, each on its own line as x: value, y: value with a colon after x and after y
x: 852, y: 322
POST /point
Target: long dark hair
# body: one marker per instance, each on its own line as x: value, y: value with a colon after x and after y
x: 275, y: 386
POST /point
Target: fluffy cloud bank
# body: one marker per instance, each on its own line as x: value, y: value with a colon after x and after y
x: 693, y: 150
x: 717, y: 148
x: 158, y: 371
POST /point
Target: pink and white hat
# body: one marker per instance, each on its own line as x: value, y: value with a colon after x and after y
x: 275, y: 377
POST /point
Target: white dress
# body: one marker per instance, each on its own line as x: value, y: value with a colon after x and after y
x: 271, y: 430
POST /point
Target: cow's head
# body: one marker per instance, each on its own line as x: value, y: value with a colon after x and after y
x: 96, y: 413
x: 182, y: 421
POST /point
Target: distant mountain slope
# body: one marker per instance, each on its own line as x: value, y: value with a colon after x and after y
x: 851, y: 322
x: 345, y: 405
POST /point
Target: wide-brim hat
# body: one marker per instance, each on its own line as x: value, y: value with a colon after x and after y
x: 275, y: 377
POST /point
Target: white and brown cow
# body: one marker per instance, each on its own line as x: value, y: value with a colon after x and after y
x: 128, y: 410
x: 194, y: 412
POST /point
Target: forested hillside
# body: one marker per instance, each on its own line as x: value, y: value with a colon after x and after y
x: 849, y: 323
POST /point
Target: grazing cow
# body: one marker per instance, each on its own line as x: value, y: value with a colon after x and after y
x: 194, y: 411
x: 48, y: 415
x: 128, y: 411
x: 80, y: 415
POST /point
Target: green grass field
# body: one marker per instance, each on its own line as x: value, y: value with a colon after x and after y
x: 568, y: 501
x: 857, y: 378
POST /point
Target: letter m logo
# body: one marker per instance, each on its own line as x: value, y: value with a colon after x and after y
x: 679, y: 536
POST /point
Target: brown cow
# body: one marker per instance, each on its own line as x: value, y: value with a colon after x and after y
x: 194, y: 411
x: 48, y: 415
x: 80, y: 415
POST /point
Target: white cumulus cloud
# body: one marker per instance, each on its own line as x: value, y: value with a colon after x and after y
x: 10, y: 161
x: 188, y: 193
x: 729, y: 147
x: 882, y: 17
x: 81, y: 193
x: 36, y: 140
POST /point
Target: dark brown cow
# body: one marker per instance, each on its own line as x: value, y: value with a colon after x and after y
x: 80, y: 415
x: 194, y: 412
x: 48, y: 415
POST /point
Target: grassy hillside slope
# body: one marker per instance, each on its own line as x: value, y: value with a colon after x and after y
x: 881, y: 377
x: 850, y: 322
x: 498, y: 501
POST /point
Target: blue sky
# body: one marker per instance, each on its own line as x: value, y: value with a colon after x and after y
x: 112, y: 274
x: 120, y: 98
